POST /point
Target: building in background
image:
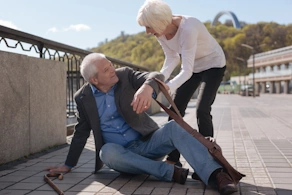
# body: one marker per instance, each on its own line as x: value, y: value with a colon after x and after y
x: 273, y: 71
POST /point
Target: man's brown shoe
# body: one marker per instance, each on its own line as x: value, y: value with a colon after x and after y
x: 225, y: 184
x: 180, y: 174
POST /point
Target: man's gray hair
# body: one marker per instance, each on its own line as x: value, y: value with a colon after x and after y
x: 155, y: 14
x: 88, y: 66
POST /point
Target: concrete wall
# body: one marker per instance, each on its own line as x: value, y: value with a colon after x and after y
x: 32, y: 105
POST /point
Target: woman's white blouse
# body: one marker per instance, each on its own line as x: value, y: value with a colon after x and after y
x: 198, y: 49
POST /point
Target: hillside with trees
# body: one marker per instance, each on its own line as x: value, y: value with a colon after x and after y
x: 144, y: 50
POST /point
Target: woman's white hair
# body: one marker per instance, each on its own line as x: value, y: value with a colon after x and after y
x: 88, y: 66
x: 155, y: 14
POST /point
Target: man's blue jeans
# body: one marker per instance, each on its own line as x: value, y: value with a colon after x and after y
x: 139, y: 156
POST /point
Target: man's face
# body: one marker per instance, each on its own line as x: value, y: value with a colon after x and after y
x: 106, y: 75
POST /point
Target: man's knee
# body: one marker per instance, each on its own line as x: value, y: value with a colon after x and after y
x: 174, y: 126
x: 110, y: 152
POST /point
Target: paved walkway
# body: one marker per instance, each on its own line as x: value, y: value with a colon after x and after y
x: 254, y: 133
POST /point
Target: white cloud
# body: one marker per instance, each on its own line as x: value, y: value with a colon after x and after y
x: 53, y: 29
x: 77, y: 28
x: 8, y: 24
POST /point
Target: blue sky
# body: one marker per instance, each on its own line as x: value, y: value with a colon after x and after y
x: 84, y: 24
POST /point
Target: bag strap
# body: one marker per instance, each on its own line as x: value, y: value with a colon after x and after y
x: 169, y: 99
x: 178, y: 118
x: 213, y: 148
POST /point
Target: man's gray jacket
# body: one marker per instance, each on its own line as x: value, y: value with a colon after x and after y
x: 88, y: 118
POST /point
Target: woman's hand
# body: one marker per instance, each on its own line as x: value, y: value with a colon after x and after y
x: 142, y: 99
x: 210, y: 139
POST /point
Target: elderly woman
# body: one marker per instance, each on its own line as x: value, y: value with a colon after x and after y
x: 186, y: 39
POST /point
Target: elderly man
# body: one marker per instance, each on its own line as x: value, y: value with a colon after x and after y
x: 112, y: 105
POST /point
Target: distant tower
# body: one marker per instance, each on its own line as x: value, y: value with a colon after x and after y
x: 235, y: 21
x: 123, y: 34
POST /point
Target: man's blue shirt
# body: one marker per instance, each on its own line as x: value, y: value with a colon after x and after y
x: 113, y: 127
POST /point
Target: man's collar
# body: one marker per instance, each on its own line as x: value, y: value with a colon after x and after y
x: 95, y: 90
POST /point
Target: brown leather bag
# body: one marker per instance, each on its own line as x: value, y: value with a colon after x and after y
x: 213, y: 148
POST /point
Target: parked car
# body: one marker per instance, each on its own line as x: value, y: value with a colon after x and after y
x: 228, y: 87
x: 247, y: 90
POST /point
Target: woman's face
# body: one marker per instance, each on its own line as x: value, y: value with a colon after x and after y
x: 152, y: 31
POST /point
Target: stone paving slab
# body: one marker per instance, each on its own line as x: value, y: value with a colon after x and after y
x: 254, y: 133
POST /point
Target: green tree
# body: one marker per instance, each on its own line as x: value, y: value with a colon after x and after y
x: 144, y: 50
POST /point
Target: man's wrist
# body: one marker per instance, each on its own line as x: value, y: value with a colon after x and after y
x: 69, y: 167
x: 148, y: 87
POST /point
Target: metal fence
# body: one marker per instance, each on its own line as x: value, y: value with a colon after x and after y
x: 21, y: 42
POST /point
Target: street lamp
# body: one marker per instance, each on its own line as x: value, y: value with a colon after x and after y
x: 253, y: 68
x: 244, y: 82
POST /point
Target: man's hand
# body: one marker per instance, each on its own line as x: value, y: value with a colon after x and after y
x: 61, y: 169
x: 142, y: 99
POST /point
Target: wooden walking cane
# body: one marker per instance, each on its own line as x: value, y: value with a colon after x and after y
x: 52, y: 184
x: 213, y: 148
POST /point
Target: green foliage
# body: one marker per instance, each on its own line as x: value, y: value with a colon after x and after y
x: 139, y: 49
x: 144, y: 50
